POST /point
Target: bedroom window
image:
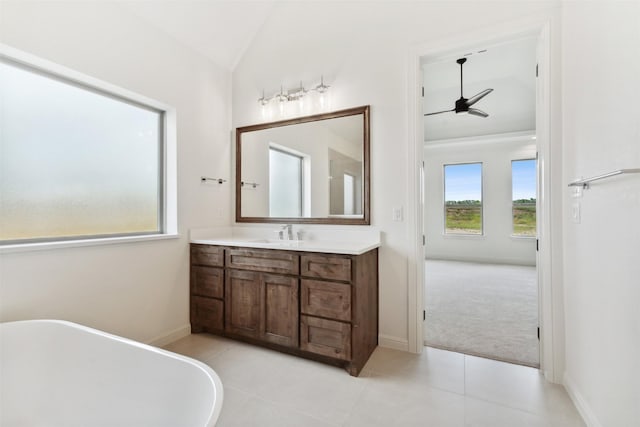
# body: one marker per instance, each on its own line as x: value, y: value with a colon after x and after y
x: 78, y: 161
x: 523, y: 192
x: 463, y: 198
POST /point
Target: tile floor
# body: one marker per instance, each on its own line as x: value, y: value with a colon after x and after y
x: 435, y: 389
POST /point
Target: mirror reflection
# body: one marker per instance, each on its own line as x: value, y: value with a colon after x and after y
x: 310, y: 169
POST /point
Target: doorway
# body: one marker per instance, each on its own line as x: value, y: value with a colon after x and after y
x: 480, y: 201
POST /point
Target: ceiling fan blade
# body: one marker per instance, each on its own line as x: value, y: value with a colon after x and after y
x: 439, y: 112
x: 478, y: 97
x: 477, y: 112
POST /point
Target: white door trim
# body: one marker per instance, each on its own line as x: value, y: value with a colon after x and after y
x: 550, y: 297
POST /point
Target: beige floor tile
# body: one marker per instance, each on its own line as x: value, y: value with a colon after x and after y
x: 249, y: 368
x: 257, y: 412
x: 518, y: 387
x: 437, y: 368
x: 478, y: 413
x: 200, y: 346
x: 389, y: 400
x: 437, y: 388
x: 233, y: 402
x: 325, y: 392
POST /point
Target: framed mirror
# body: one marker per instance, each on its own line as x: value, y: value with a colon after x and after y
x: 312, y: 169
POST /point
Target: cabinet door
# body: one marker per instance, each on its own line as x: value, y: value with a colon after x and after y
x: 280, y: 315
x: 207, y: 281
x: 265, y: 260
x: 207, y: 255
x: 327, y: 267
x: 326, y: 337
x: 243, y: 303
x: 207, y: 314
x: 326, y: 299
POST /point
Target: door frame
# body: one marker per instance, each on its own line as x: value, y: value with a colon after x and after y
x: 549, y: 157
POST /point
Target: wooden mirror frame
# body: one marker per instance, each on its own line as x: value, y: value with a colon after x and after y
x: 365, y: 220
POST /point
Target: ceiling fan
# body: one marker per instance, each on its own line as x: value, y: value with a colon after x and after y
x: 463, y: 105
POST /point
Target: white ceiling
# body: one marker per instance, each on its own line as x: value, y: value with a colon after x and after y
x: 507, y: 68
x: 220, y: 30
x: 223, y: 30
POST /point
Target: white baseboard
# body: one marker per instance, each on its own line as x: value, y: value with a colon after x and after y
x: 395, y: 343
x: 581, y: 404
x: 171, y: 336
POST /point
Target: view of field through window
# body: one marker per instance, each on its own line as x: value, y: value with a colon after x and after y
x: 523, y: 186
x: 463, y: 198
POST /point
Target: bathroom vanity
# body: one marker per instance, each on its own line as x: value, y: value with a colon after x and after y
x: 315, y: 298
x: 312, y: 299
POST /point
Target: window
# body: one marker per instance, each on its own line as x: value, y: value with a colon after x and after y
x: 463, y: 198
x: 77, y: 161
x: 349, y: 194
x: 285, y: 183
x: 523, y: 189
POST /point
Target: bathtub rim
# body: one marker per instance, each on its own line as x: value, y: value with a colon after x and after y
x: 211, y: 374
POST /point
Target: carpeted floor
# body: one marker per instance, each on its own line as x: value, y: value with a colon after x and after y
x: 486, y: 310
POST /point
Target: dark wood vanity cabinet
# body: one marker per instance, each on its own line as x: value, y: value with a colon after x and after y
x: 262, y: 306
x: 320, y: 306
x: 207, y: 289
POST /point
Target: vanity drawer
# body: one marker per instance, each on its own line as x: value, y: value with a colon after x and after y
x: 326, y: 299
x: 325, y: 337
x: 207, y: 281
x: 207, y: 313
x: 263, y: 260
x: 207, y: 255
x: 329, y: 267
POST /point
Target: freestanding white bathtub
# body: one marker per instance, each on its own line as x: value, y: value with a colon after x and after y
x: 59, y: 374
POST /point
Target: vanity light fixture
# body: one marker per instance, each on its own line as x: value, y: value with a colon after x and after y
x: 294, y: 94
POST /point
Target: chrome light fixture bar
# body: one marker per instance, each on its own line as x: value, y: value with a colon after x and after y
x: 293, y: 94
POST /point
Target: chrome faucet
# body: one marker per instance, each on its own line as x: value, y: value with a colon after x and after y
x: 289, y: 229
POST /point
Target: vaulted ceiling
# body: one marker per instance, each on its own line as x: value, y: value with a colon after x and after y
x: 219, y: 30
x: 508, y: 68
x: 223, y: 31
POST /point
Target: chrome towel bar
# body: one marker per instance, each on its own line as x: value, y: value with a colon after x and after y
x: 584, y: 183
x: 218, y: 180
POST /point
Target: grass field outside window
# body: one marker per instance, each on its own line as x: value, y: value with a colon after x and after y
x: 463, y: 198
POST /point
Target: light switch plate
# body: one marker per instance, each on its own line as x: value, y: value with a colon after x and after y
x: 397, y: 213
x: 575, y: 213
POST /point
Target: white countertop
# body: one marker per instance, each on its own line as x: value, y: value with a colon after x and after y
x: 325, y: 246
x: 336, y: 240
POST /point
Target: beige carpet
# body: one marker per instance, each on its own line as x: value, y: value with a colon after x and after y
x: 486, y: 310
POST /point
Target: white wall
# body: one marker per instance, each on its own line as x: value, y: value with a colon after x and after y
x: 601, y: 74
x: 496, y: 245
x: 139, y: 290
x: 362, y: 49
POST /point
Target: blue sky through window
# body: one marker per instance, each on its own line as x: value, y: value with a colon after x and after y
x: 463, y: 182
x: 523, y: 174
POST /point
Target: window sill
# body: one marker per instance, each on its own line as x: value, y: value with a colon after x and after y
x: 462, y: 236
x: 31, y: 247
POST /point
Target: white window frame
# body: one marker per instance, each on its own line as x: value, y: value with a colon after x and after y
x: 444, y: 202
x: 168, y: 209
